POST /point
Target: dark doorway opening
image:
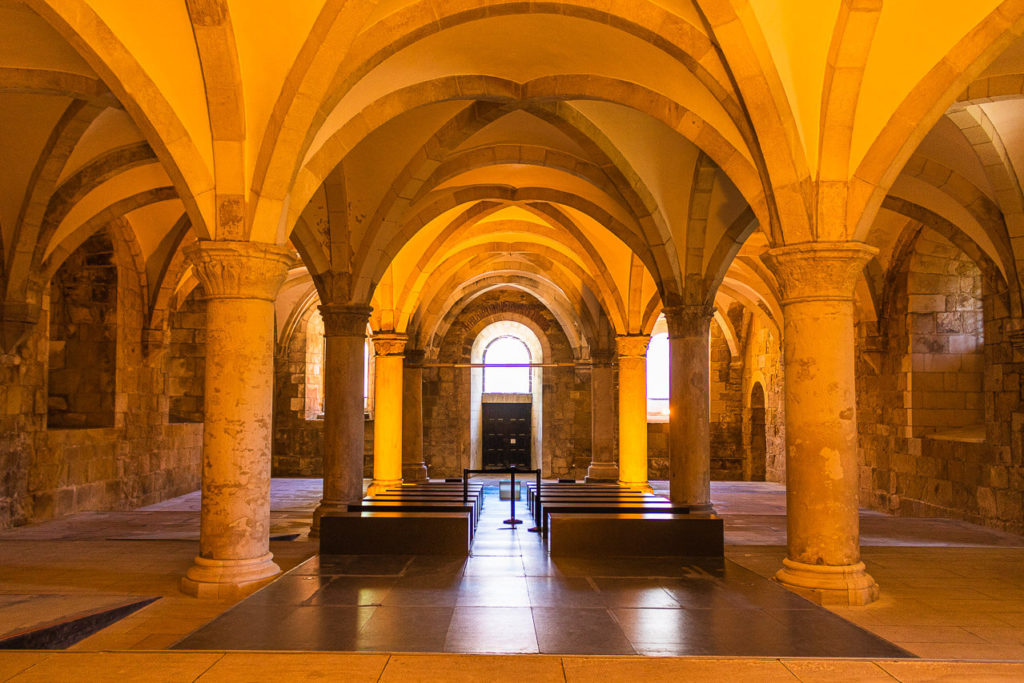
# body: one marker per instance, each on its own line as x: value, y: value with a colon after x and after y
x: 758, y: 435
x: 506, y: 435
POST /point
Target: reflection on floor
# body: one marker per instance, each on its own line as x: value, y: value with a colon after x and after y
x: 510, y: 597
x: 959, y: 594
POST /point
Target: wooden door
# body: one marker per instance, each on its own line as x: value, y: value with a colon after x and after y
x: 506, y: 435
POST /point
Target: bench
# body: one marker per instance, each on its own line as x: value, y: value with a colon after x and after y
x: 608, y: 506
x: 395, y: 533
x: 635, y: 534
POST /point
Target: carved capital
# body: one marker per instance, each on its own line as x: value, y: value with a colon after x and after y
x: 414, y: 358
x: 17, y: 320
x: 342, y: 320
x: 389, y: 343
x: 818, y: 271
x: 632, y: 346
x: 239, y: 270
x: 689, y: 320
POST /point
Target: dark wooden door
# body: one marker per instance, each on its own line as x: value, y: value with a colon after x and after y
x: 506, y: 435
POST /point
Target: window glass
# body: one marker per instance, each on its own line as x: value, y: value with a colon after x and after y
x: 657, y: 375
x: 506, y: 380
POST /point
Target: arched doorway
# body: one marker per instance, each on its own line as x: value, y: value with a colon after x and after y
x: 757, y: 447
x: 505, y: 423
x: 506, y: 393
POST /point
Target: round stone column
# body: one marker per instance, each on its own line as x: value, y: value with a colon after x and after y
x: 689, y: 429
x: 241, y: 281
x: 602, y: 418
x: 632, y: 353
x: 817, y: 282
x: 413, y: 467
x: 387, y: 410
x: 344, y: 444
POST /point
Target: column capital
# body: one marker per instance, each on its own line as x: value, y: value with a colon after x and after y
x: 345, y: 320
x: 17, y: 320
x: 239, y: 270
x: 414, y: 358
x: 818, y: 271
x: 688, y: 320
x: 389, y: 343
x: 632, y: 345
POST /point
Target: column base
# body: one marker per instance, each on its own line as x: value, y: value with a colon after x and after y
x: 325, y: 507
x: 602, y: 472
x: 414, y: 472
x: 829, y: 585
x: 228, y: 579
x: 644, y: 486
x: 700, y: 508
x: 379, y: 485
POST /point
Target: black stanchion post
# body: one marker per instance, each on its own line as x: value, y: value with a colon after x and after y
x: 512, y: 521
x: 465, y: 485
x: 536, y: 502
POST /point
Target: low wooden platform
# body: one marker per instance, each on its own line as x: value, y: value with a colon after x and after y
x: 635, y: 534
x: 396, y: 533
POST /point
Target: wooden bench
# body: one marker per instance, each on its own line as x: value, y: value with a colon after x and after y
x: 613, y: 506
x: 635, y: 535
x: 396, y: 533
x: 411, y: 499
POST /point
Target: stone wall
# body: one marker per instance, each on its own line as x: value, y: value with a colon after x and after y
x: 83, y: 334
x: 298, y: 442
x: 944, y: 324
x: 926, y: 449
x: 446, y: 392
x: 726, y: 417
x: 762, y: 364
x: 298, y: 434
x: 23, y: 409
x: 732, y: 379
x: 187, y: 359
x: 140, y: 459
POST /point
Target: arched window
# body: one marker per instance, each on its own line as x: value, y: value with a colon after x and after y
x: 657, y: 376
x: 505, y: 351
x: 367, y: 376
x: 315, y: 366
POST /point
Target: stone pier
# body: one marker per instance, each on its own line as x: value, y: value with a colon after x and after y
x: 387, y: 409
x: 817, y: 282
x: 602, y: 418
x: 632, y: 355
x: 344, y: 342
x: 689, y: 406
x: 413, y: 466
x: 241, y: 281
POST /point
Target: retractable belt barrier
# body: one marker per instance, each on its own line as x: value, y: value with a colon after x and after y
x: 511, y: 521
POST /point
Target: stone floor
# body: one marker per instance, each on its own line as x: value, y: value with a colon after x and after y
x: 510, y: 597
x: 949, y: 589
x: 215, y: 667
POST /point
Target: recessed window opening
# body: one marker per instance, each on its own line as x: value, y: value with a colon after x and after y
x: 657, y: 375
x: 367, y: 377
x: 507, y: 371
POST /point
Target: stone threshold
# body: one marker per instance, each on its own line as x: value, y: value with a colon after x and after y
x: 224, y: 666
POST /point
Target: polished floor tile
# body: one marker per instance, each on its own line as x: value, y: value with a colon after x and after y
x: 562, y: 630
x: 553, y: 591
x: 634, y: 592
x: 493, y: 591
x: 510, y: 596
x: 353, y: 590
x: 405, y: 629
x: 492, y: 630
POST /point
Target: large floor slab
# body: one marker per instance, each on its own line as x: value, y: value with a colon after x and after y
x: 510, y: 596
